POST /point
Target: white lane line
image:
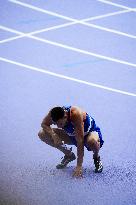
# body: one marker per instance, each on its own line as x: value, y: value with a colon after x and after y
x: 83, y: 51
x: 67, y: 77
x: 20, y: 34
x: 109, y: 30
x: 62, y: 26
x: 58, y: 27
x: 115, y: 4
x: 52, y: 28
x: 65, y: 25
x: 80, y: 50
x: 11, y: 39
x: 74, y: 20
x: 41, y: 10
x: 11, y: 30
x: 33, y: 32
x: 107, y: 15
x: 68, y: 18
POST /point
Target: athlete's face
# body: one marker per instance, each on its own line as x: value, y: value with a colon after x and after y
x: 62, y: 122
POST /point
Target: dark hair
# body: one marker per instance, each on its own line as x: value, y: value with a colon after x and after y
x: 57, y: 113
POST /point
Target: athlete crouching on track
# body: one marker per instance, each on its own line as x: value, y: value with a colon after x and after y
x: 74, y: 127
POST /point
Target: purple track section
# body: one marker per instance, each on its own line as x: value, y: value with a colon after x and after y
x: 28, y: 174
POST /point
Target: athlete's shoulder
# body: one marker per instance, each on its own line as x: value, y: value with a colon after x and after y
x: 47, y: 120
x: 75, y: 113
x: 76, y: 109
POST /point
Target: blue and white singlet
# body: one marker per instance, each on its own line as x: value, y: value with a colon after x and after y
x: 89, y: 126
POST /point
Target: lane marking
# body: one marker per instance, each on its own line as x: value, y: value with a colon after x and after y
x: 66, y: 77
x: 107, y: 15
x: 115, y: 4
x: 11, y: 30
x: 83, y: 51
x: 72, y: 19
x: 58, y: 27
x: 79, y: 50
x: 11, y: 39
x: 41, y: 10
x: 109, y: 30
x: 33, y: 32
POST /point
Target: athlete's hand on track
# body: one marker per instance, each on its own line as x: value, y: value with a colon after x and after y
x: 78, y: 172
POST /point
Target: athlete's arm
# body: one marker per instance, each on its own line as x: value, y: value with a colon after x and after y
x: 46, y: 125
x: 47, y: 122
x: 77, y: 119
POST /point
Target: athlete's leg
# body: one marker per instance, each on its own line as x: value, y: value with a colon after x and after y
x: 69, y: 155
x: 45, y: 137
x: 93, y: 143
x: 63, y: 136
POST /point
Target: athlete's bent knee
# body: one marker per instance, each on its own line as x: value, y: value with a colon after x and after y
x: 41, y: 135
x: 94, y: 144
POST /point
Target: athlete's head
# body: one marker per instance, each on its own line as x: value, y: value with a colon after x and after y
x: 59, y: 116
